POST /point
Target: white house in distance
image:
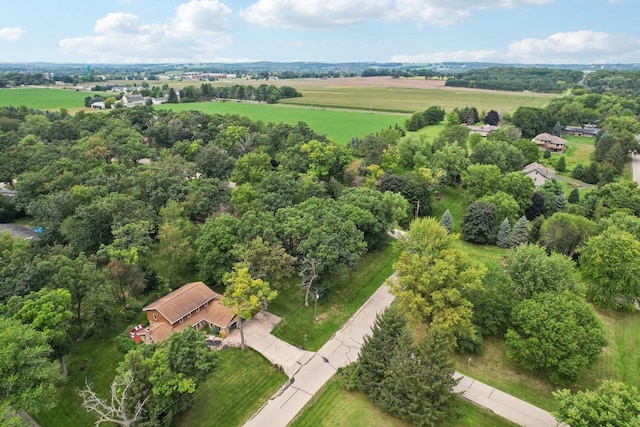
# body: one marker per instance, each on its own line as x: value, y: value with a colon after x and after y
x: 132, y: 100
x: 538, y: 173
x: 483, y: 130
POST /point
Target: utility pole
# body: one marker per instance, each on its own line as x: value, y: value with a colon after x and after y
x: 417, y: 208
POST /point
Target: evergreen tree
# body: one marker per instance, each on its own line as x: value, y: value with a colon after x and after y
x: 420, y: 381
x: 560, y: 204
x: 504, y: 234
x: 561, y: 166
x: 389, y: 330
x: 574, y: 196
x: 173, y: 97
x: 520, y: 233
x: 537, y: 206
x: 592, y: 174
x: 578, y: 172
x: 479, y: 223
x: 447, y: 222
x: 557, y: 129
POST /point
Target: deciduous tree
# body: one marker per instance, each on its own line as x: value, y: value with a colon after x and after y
x: 614, y: 403
x: 433, y: 277
x: 609, y: 265
x: 557, y: 334
x: 244, y: 294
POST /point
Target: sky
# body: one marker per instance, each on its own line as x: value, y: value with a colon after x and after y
x: 410, y: 31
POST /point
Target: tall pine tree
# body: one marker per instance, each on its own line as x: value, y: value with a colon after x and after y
x: 420, y: 381
x: 389, y: 330
x: 504, y: 234
x: 520, y: 233
x: 446, y: 221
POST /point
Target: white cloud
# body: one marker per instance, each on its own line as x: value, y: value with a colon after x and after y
x: 580, y: 47
x: 456, y: 56
x: 327, y: 13
x: 11, y: 34
x: 196, y: 31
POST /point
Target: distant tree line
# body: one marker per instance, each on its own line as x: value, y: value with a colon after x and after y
x: 623, y: 83
x: 517, y: 79
x: 263, y: 93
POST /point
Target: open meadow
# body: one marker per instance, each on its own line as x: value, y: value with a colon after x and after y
x: 44, y: 98
x: 339, y: 126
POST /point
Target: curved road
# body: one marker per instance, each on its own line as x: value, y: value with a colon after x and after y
x: 308, y: 372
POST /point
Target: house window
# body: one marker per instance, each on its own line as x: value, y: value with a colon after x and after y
x: 206, y: 304
x: 181, y: 320
x: 197, y: 309
x: 155, y: 317
x: 189, y: 315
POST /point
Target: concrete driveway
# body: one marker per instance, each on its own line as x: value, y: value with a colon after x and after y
x: 257, y: 335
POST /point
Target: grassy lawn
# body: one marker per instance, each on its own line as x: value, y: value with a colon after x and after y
x: 94, y: 359
x: 243, y: 381
x: 333, y: 406
x: 339, y: 126
x: 44, y: 99
x: 579, y: 150
x: 619, y: 361
x: 453, y: 199
x: 345, y: 295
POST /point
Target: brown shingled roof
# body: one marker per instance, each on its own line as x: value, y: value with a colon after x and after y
x: 183, y: 300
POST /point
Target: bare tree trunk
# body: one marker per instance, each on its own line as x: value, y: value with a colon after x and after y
x: 242, y: 344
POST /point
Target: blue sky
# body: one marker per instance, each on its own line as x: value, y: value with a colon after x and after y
x: 145, y: 31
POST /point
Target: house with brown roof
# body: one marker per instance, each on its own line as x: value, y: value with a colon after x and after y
x: 553, y: 143
x: 538, y: 173
x: 195, y: 305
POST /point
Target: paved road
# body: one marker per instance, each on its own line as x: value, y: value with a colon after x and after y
x: 342, y: 349
x: 339, y: 351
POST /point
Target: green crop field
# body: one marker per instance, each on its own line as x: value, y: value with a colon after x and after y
x: 339, y: 126
x: 410, y: 100
x: 43, y: 98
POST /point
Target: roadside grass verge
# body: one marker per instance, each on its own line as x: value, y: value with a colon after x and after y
x: 339, y: 126
x: 239, y: 386
x: 345, y: 294
x: 333, y: 406
x: 92, y: 360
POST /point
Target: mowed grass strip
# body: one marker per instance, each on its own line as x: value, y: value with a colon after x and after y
x: 345, y: 295
x: 240, y: 385
x: 333, y: 406
x: 44, y: 99
x: 410, y: 100
x: 339, y: 126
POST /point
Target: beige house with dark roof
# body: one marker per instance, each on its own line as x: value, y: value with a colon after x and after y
x: 538, y: 173
x: 194, y: 304
x: 553, y: 143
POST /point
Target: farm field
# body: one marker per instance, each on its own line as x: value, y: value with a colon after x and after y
x: 44, y: 99
x: 339, y: 126
x: 410, y: 100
